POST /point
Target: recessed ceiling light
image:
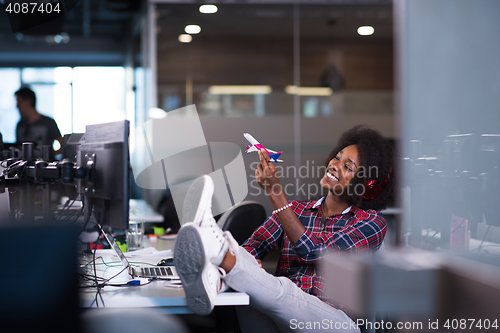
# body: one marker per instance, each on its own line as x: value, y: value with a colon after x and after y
x: 208, y: 9
x: 184, y: 38
x: 192, y: 29
x: 366, y: 30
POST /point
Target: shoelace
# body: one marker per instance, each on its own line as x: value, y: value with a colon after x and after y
x: 232, y: 243
x: 222, y: 272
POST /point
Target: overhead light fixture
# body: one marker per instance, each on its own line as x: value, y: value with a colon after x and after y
x: 185, y: 38
x: 366, y: 30
x: 192, y: 29
x: 208, y: 9
x: 240, y: 90
x: 308, y: 91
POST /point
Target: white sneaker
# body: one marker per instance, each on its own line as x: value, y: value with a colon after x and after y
x: 198, y: 210
x: 200, y: 247
x: 198, y: 202
x: 200, y: 278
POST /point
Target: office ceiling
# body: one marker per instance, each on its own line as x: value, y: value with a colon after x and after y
x: 106, y: 26
x: 88, y: 18
x: 276, y: 20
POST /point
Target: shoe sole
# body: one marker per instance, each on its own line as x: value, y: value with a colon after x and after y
x: 189, y: 260
x: 199, y: 192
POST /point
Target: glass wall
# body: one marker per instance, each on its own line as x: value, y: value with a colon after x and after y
x: 98, y: 97
x: 247, y: 58
x: 9, y: 83
x: 293, y: 75
x: 449, y: 76
x: 74, y: 97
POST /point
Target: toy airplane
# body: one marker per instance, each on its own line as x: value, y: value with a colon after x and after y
x: 256, y: 146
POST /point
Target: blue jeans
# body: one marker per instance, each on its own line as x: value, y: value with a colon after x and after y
x: 278, y: 305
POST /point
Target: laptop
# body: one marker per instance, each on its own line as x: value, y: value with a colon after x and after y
x: 165, y: 272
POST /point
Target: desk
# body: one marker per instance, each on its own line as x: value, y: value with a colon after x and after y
x: 156, y: 294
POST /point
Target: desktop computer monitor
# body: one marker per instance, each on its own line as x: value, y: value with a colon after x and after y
x: 69, y: 145
x: 104, y: 151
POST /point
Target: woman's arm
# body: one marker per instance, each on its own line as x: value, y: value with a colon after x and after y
x: 268, y: 180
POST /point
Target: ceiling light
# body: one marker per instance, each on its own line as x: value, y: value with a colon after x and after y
x: 239, y: 90
x: 308, y: 91
x: 366, y: 30
x: 184, y: 38
x: 192, y: 29
x: 208, y: 9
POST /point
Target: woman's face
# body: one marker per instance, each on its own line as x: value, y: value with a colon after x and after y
x: 341, y: 169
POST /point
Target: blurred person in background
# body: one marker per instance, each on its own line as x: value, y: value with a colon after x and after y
x: 33, y: 126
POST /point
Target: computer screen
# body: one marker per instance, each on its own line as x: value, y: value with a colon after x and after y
x: 105, y: 153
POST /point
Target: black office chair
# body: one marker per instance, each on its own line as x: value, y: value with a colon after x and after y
x: 242, y: 219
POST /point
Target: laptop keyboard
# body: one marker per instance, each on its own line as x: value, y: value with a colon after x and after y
x: 155, y: 271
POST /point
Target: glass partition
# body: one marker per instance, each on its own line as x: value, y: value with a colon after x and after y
x: 293, y: 75
x: 449, y: 80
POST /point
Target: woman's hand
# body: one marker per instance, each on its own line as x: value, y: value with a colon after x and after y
x: 267, y: 178
x: 266, y: 175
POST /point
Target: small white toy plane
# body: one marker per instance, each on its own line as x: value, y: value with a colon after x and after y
x: 256, y: 146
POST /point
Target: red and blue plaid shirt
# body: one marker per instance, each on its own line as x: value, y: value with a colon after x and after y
x: 355, y: 230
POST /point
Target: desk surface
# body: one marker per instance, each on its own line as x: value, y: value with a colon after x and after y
x: 157, y: 294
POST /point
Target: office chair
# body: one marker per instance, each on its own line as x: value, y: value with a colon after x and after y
x: 242, y: 219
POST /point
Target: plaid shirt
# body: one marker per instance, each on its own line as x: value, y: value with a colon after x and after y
x: 355, y: 230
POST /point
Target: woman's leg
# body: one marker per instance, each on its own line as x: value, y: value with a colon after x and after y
x: 201, y: 246
x: 279, y: 298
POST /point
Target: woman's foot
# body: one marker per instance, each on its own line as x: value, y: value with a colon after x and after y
x: 200, y: 248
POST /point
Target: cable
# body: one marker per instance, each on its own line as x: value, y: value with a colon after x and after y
x: 427, y: 239
x: 484, y: 237
x: 95, y: 276
x: 66, y: 207
x: 88, y: 213
x: 103, y: 263
x: 16, y: 159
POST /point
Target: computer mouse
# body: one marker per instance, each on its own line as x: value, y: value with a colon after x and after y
x: 166, y: 262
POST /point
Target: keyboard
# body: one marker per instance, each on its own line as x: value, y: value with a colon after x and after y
x: 153, y: 272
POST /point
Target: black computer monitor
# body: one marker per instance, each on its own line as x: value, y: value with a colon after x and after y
x: 105, y: 153
x: 69, y: 145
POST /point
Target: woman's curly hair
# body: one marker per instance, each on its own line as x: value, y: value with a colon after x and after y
x: 376, y: 157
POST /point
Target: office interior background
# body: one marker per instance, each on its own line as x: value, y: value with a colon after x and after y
x: 428, y: 78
